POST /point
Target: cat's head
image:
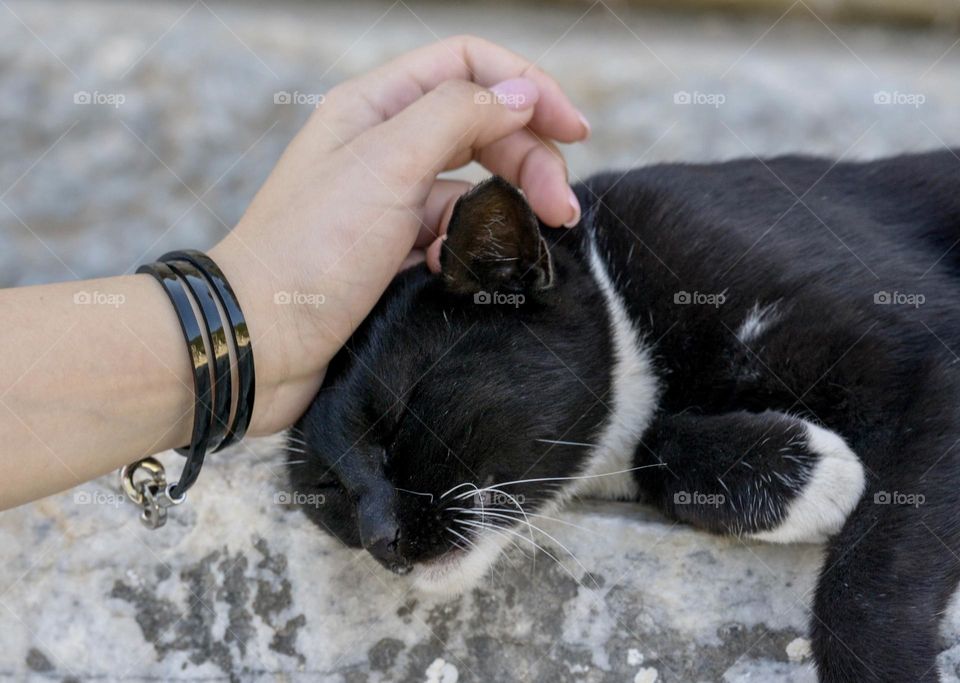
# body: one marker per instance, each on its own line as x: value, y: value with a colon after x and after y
x: 464, y: 400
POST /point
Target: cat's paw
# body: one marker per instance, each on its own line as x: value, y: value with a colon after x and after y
x: 832, y: 490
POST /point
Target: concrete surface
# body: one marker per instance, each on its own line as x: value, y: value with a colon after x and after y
x: 180, y: 128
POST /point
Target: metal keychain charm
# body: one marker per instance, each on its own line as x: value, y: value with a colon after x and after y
x: 151, y: 493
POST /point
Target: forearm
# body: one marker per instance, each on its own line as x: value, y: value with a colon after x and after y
x: 94, y: 375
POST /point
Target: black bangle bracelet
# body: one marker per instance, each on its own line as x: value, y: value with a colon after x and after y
x: 204, y: 303
x: 201, y: 374
x: 213, y: 323
x: 240, y: 335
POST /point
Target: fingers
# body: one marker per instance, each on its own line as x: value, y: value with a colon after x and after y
x: 447, y: 123
x: 439, y: 205
x: 537, y: 166
x: 362, y: 103
x: 432, y: 255
x: 415, y: 257
x: 443, y: 197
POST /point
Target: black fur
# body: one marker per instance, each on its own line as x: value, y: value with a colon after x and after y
x: 436, y: 390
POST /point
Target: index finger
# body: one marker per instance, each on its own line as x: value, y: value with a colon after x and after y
x: 365, y: 101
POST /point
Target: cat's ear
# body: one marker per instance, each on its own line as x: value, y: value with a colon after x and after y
x: 494, y: 243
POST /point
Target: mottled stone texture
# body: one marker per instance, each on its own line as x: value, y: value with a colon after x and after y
x: 238, y: 585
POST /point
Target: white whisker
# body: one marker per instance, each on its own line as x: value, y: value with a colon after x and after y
x: 534, y: 527
x: 512, y: 500
x: 541, y: 479
x: 530, y: 514
x: 462, y: 537
x: 447, y: 493
x: 567, y: 443
x: 416, y: 493
x: 496, y: 529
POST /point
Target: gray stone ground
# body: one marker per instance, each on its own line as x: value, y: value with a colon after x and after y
x: 238, y: 585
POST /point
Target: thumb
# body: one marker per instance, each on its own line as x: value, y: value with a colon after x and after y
x: 442, y: 130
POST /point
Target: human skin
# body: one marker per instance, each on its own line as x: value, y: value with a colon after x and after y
x: 85, y: 389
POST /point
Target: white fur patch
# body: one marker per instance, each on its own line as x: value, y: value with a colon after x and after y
x: 455, y: 574
x: 834, y: 489
x: 632, y: 399
x: 757, y: 321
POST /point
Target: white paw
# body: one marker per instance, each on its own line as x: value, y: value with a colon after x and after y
x: 833, y: 490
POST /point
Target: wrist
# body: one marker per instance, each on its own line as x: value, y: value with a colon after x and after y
x: 288, y: 374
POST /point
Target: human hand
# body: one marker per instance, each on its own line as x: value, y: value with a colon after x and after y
x: 355, y: 196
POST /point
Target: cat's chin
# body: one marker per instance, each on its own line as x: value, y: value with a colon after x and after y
x: 457, y: 571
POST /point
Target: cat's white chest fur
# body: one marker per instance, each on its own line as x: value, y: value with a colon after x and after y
x: 632, y: 399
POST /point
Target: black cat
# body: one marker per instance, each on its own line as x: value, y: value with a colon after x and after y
x: 760, y: 348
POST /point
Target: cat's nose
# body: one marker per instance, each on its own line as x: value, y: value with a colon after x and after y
x: 386, y: 550
x: 379, y: 525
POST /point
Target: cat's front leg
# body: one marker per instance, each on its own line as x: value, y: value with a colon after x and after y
x: 770, y: 476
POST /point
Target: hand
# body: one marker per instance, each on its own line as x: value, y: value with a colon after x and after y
x: 356, y: 196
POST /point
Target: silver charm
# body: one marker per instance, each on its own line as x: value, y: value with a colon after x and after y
x: 151, y: 492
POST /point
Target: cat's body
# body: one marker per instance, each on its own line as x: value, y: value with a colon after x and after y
x: 757, y: 348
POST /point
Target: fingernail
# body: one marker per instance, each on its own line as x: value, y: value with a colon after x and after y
x: 516, y: 94
x: 575, y: 207
x: 585, y: 124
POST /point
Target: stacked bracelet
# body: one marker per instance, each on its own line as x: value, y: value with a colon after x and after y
x: 215, y: 332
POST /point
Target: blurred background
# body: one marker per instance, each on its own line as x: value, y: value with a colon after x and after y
x: 129, y: 129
